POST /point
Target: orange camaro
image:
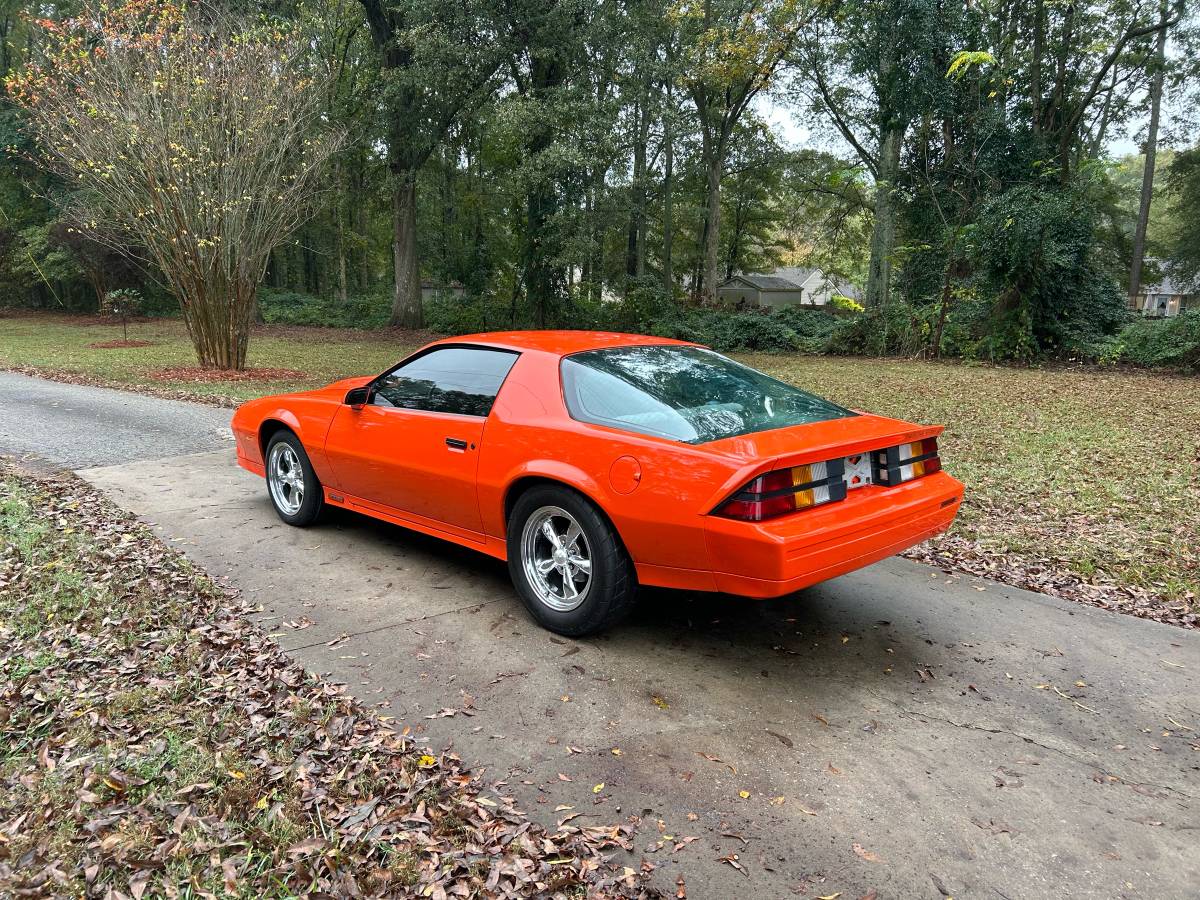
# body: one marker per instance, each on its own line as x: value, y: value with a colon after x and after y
x: 595, y: 462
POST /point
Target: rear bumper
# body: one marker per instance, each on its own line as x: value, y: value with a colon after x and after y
x: 777, y: 557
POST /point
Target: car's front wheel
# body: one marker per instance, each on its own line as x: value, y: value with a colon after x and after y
x: 292, y: 484
x: 568, y: 563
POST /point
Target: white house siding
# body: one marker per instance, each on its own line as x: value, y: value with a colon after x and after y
x: 781, y: 298
x: 738, y: 293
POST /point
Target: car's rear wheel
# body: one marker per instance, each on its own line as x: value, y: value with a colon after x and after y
x: 568, y: 563
x: 292, y: 484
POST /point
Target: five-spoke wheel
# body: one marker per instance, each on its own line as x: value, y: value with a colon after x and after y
x: 567, y: 562
x: 556, y: 557
x: 286, y: 478
x: 292, y: 484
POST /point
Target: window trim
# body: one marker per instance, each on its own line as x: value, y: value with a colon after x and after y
x: 372, y: 385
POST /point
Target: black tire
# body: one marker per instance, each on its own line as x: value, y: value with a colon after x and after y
x: 312, y: 498
x: 611, y: 589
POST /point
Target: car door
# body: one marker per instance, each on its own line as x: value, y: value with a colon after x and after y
x: 412, y: 451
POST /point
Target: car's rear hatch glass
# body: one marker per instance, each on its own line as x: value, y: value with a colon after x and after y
x: 684, y: 393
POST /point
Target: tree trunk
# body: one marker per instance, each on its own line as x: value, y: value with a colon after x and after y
x: 360, y: 226
x: 588, y: 268
x: 635, y: 256
x: 544, y: 282
x: 883, y: 236
x: 668, y: 223
x: 1035, y: 64
x: 406, y: 301
x: 714, y: 162
x: 219, y: 323
x: 540, y: 277
x: 1156, y: 90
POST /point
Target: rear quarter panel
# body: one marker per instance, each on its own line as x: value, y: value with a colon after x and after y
x: 661, y: 521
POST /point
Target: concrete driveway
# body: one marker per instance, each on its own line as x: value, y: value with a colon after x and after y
x: 895, y: 730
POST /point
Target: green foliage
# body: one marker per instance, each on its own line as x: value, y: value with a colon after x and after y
x: 849, y: 304
x: 965, y: 59
x: 1173, y: 342
x: 647, y: 311
x: 37, y: 258
x: 291, y: 308
x: 898, y: 329
x: 1033, y: 250
x: 1183, y: 233
x: 122, y: 303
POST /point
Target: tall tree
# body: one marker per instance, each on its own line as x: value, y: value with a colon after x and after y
x: 866, y: 68
x: 1082, y: 45
x: 1151, y: 151
x: 732, y: 49
x: 437, y: 64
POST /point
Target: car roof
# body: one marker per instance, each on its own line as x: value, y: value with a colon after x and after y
x: 562, y: 342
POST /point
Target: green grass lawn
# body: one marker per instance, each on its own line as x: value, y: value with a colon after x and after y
x: 1083, y: 483
x: 62, y: 344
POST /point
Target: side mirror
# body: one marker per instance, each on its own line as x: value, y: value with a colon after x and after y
x: 358, y: 397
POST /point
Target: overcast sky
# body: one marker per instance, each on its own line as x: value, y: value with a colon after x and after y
x: 794, y: 135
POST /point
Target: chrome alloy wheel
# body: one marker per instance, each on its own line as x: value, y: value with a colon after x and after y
x: 285, y: 477
x: 556, y: 558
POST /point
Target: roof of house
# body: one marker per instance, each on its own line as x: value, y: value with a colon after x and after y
x: 793, y: 278
x: 765, y: 282
x: 1171, y: 282
x: 1169, y: 285
x: 798, y: 274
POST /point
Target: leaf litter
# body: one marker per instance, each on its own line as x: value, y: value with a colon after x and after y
x: 160, y: 743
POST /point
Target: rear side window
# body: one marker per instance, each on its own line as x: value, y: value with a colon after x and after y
x: 684, y: 393
x: 461, y: 380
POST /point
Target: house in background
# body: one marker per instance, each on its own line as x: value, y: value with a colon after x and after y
x: 431, y: 290
x: 1167, y: 297
x: 788, y: 286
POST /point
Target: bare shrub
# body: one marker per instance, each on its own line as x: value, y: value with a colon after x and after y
x: 192, y: 135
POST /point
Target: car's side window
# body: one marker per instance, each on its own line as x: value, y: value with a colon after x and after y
x: 463, y: 380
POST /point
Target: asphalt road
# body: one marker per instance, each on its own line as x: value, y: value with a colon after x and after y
x: 76, y: 426
x: 896, y: 730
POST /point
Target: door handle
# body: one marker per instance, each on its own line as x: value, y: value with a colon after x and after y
x: 456, y: 444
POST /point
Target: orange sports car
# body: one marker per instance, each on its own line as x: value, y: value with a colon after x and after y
x: 594, y: 463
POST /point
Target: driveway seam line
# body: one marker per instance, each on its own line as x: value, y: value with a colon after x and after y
x: 1075, y: 759
x: 354, y: 634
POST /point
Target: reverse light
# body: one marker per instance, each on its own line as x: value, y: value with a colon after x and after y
x: 902, y: 463
x: 787, y: 490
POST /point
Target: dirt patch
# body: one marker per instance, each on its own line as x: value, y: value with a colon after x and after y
x: 118, y: 345
x: 198, y: 374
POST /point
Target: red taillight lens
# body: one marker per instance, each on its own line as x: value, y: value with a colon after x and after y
x: 787, y: 490
x: 896, y: 465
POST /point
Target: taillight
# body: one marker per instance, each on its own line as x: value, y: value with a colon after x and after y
x: 787, y: 490
x: 895, y: 465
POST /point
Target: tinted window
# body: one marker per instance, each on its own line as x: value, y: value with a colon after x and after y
x: 684, y: 393
x: 461, y: 380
